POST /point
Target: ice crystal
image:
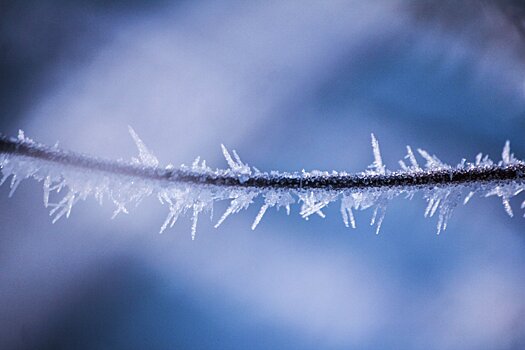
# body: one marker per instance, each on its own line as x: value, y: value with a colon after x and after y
x: 414, y: 166
x: 194, y: 190
x: 145, y: 158
x: 237, y: 167
x: 273, y: 199
x: 377, y: 166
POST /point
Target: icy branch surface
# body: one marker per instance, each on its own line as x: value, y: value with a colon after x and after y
x: 194, y: 190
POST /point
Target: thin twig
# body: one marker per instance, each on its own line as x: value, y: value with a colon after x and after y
x: 428, y: 177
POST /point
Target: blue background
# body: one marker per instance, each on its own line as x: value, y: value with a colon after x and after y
x: 291, y: 85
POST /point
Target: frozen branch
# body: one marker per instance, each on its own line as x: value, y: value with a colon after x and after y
x: 196, y: 188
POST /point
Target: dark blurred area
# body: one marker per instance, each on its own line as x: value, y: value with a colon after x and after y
x: 290, y: 85
x: 36, y: 37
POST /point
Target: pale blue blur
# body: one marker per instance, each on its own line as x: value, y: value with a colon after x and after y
x: 290, y: 85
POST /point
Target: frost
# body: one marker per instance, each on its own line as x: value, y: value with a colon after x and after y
x: 507, y: 158
x: 314, y: 201
x: 433, y: 162
x: 241, y: 200
x: 145, y: 158
x: 378, y: 216
x: 243, y: 171
x: 274, y: 199
x: 363, y: 200
x: 506, y: 192
x: 377, y: 166
x: 193, y: 190
x: 443, y: 201
x: 347, y: 203
x: 468, y: 197
x: 414, y: 166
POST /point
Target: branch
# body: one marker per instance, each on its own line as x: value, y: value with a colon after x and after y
x: 198, y: 187
x: 334, y: 181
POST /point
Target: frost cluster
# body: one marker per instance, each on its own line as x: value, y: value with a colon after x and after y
x: 126, y: 190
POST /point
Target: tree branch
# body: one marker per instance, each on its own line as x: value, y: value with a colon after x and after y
x: 198, y: 187
x: 445, y: 177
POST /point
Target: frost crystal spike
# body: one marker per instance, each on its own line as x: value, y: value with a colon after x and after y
x: 195, y: 189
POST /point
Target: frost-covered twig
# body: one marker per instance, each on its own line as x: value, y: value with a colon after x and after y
x: 196, y: 188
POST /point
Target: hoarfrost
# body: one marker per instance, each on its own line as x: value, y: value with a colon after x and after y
x: 414, y: 166
x: 433, y: 162
x: 377, y: 166
x: 126, y: 189
x: 241, y: 200
x: 243, y: 171
x: 273, y: 199
x: 145, y: 158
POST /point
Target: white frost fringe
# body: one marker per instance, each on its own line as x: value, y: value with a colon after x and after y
x: 124, y: 190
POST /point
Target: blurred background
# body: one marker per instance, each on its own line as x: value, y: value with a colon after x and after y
x: 291, y: 85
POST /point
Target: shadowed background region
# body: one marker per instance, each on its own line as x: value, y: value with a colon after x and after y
x: 291, y: 85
